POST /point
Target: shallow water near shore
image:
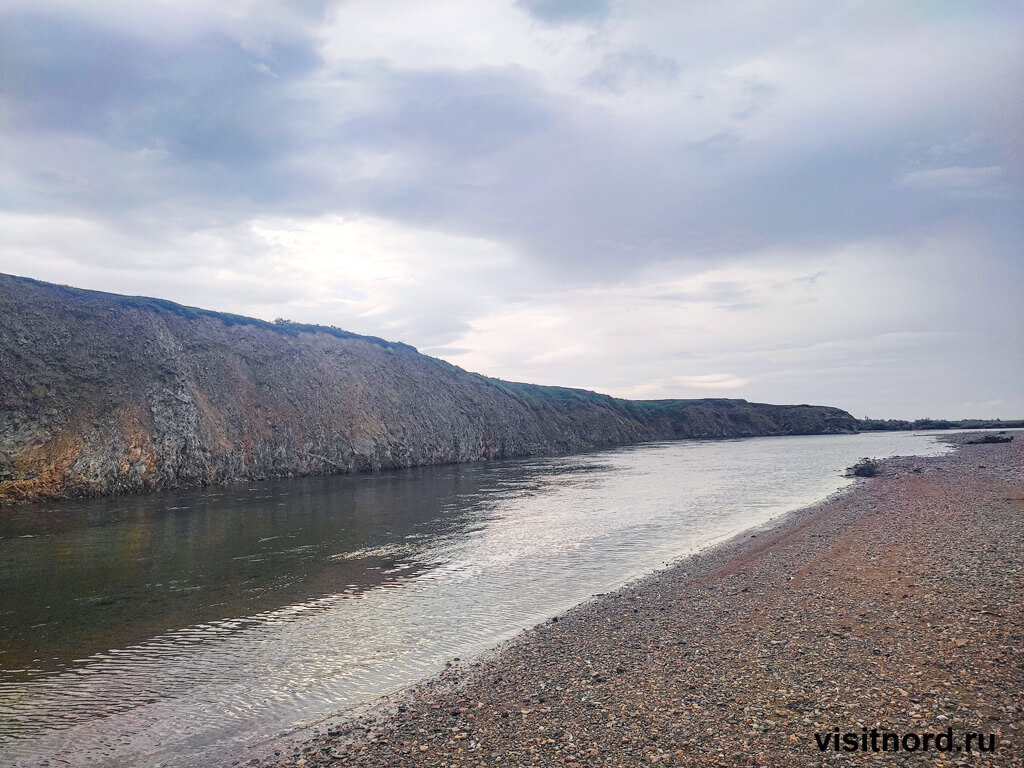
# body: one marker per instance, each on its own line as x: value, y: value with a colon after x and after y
x: 179, y: 628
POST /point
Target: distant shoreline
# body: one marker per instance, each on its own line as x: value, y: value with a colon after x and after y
x: 894, y: 601
x: 900, y: 425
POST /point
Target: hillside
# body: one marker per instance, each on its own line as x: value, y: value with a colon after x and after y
x: 104, y: 394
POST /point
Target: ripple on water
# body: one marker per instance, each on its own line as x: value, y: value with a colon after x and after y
x: 500, y: 548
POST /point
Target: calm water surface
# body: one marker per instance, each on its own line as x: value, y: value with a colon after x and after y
x: 178, y: 628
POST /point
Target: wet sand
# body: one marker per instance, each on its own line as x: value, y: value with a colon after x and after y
x: 897, y: 604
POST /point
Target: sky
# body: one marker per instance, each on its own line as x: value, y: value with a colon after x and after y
x: 784, y: 201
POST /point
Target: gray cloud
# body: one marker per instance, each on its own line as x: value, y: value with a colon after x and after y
x: 204, y: 100
x: 202, y: 126
x: 562, y: 11
x: 169, y: 124
x: 453, y: 118
x: 630, y: 69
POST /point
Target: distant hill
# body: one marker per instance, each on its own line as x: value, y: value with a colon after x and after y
x: 105, y: 394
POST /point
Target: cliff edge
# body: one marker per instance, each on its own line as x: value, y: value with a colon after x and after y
x: 105, y: 394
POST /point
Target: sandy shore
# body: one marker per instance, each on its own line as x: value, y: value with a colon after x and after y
x: 897, y: 605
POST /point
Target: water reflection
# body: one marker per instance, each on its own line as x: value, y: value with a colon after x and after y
x: 116, y: 571
x: 186, y: 626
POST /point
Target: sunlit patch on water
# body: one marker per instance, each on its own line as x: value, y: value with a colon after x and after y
x: 388, y: 550
x: 185, y: 626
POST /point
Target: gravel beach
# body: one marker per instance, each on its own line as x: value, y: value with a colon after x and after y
x: 896, y: 605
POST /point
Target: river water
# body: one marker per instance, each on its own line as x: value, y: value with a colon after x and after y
x: 178, y: 628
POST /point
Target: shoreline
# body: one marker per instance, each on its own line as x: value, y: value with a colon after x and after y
x: 738, y: 654
x: 16, y: 505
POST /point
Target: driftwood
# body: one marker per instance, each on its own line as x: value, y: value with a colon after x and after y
x: 991, y: 439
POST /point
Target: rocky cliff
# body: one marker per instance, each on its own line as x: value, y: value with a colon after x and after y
x: 104, y: 394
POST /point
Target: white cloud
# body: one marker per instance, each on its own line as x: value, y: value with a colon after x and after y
x: 454, y: 35
x: 363, y: 274
x: 877, y: 317
x: 712, y: 381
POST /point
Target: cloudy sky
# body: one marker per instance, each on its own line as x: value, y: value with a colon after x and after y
x: 782, y: 201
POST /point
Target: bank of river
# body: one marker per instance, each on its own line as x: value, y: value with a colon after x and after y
x: 892, y: 608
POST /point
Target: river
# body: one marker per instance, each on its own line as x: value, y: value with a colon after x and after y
x: 179, y: 628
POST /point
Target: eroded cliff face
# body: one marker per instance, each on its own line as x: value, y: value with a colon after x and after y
x: 103, y: 394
